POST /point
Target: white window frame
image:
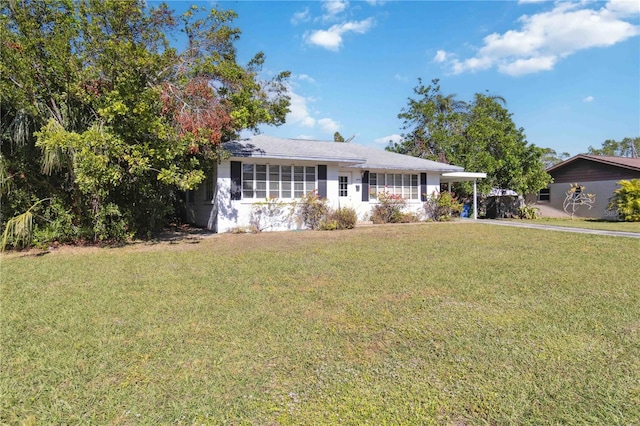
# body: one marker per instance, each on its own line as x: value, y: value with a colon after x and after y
x: 286, y: 181
x: 405, y: 184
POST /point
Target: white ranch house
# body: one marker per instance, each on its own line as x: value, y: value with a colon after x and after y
x: 346, y: 174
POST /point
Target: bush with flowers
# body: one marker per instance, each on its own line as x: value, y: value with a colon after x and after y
x: 389, y: 208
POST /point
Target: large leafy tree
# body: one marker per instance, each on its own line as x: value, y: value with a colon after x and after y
x: 627, y: 147
x: 103, y: 115
x: 479, y: 136
x: 433, y: 123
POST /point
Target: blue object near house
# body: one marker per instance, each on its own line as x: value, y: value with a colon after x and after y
x: 466, y: 210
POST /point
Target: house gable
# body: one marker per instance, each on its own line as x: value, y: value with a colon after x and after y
x: 590, y: 168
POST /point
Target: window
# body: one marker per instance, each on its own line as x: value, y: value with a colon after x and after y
x: 261, y: 180
x: 544, y: 195
x: 343, y: 183
x: 405, y: 185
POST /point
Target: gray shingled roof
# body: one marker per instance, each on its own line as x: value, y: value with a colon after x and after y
x: 356, y: 156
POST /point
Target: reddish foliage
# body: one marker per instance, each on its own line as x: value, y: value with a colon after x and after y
x: 196, y: 109
x: 14, y: 46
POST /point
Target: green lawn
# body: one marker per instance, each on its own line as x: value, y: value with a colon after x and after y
x: 454, y: 324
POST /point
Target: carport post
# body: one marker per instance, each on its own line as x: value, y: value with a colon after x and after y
x: 475, y: 199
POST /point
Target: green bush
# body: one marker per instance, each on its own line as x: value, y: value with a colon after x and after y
x: 441, y: 206
x: 626, y: 200
x: 389, y: 208
x: 528, y: 212
x: 345, y: 217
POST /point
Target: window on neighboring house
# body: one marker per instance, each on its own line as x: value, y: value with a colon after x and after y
x: 261, y: 180
x: 405, y: 185
x: 544, y: 194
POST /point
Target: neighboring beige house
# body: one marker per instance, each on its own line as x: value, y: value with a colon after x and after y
x: 346, y: 174
x: 598, y: 174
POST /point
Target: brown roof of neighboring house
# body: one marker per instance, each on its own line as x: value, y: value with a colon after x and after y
x: 624, y: 162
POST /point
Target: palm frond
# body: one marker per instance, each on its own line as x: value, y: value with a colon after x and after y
x: 19, y: 229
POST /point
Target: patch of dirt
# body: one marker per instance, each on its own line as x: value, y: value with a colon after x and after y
x: 173, y: 234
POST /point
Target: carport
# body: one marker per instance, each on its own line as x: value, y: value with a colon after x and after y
x: 452, y: 177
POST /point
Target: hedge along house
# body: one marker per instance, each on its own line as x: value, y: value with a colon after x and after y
x: 346, y: 174
x: 598, y: 174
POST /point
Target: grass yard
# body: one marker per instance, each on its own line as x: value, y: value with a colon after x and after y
x: 454, y: 324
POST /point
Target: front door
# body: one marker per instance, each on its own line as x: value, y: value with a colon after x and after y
x: 344, y: 180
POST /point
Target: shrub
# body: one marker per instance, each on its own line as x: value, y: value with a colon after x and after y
x: 328, y: 225
x: 343, y: 218
x: 389, y: 208
x: 626, y: 200
x: 441, y: 206
x: 312, y: 210
x: 528, y: 212
x: 110, y: 224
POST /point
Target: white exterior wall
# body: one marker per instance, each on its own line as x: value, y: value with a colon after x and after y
x: 224, y: 214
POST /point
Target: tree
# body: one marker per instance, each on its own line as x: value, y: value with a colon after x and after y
x: 434, y: 123
x: 479, y: 136
x: 103, y: 115
x: 550, y: 157
x: 337, y: 137
x: 627, y: 147
x: 626, y: 200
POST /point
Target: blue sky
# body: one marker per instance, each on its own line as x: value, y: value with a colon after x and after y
x: 569, y: 71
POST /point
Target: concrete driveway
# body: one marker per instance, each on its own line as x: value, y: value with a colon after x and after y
x: 560, y: 228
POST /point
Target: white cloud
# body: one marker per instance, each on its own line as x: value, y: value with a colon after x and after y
x: 624, y: 7
x: 395, y: 138
x: 528, y: 66
x: 331, y: 39
x: 401, y: 77
x: 305, y: 77
x: 441, y: 56
x: 588, y: 99
x: 328, y: 125
x: 306, y: 137
x: 299, y: 113
x: 302, y: 16
x: 334, y: 7
x: 547, y: 37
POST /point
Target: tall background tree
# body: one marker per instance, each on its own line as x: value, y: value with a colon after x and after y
x: 102, y: 115
x: 550, y: 157
x: 627, y: 147
x: 479, y: 135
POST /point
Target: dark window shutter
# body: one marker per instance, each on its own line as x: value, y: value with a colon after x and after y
x: 236, y: 180
x: 423, y: 186
x: 322, y: 181
x: 365, y: 186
